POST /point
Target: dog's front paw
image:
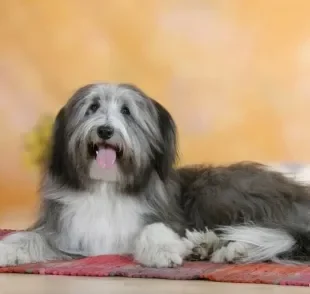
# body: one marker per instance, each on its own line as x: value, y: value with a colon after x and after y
x: 234, y: 252
x: 25, y: 247
x: 162, y: 257
x: 204, y: 243
x: 10, y: 254
x: 158, y: 246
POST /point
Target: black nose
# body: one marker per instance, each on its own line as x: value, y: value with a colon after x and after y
x: 105, y: 132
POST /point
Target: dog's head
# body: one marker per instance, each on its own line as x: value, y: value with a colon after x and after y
x: 112, y: 133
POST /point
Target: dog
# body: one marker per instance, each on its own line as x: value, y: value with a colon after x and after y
x: 110, y: 186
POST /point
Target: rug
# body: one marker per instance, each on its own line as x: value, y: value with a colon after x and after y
x: 124, y: 266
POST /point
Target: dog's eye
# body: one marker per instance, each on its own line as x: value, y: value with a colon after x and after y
x: 125, y: 110
x: 94, y: 107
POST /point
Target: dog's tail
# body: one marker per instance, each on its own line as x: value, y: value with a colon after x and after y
x: 289, y: 243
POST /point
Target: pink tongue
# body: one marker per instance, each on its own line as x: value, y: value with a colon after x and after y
x: 106, y: 157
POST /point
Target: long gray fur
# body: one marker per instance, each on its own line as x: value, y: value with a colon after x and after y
x: 229, y: 200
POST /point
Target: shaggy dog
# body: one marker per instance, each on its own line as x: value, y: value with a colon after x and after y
x: 110, y: 187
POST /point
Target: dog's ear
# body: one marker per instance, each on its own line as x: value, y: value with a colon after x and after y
x: 60, y: 165
x: 166, y: 157
x: 57, y: 152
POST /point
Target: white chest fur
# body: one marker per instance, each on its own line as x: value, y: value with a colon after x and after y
x: 101, y: 223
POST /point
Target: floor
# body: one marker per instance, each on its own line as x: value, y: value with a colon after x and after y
x: 19, y: 284
x: 34, y: 284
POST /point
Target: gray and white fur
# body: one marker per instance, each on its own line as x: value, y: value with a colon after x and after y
x: 142, y: 205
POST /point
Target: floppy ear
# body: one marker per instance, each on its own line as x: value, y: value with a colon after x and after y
x: 166, y: 157
x: 59, y: 164
x: 57, y: 147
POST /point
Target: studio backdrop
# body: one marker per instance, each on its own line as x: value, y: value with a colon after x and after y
x: 234, y: 74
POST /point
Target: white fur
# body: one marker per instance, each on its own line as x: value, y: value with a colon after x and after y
x: 101, y: 223
x: 253, y: 244
x: 93, y: 224
x: 96, y: 224
x: 203, y: 242
x: 198, y: 237
x: 233, y: 252
x: 301, y: 175
x: 24, y: 247
x: 159, y: 246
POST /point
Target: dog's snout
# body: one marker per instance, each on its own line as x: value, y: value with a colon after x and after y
x: 105, y: 132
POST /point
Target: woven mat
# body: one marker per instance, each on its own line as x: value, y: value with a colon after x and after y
x: 123, y: 266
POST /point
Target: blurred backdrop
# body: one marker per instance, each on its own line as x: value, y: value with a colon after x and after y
x: 235, y: 74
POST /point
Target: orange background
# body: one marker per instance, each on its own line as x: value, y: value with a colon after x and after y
x: 235, y: 74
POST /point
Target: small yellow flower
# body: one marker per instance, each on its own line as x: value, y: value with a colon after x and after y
x: 37, y: 141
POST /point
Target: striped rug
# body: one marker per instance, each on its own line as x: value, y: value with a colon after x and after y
x: 124, y: 266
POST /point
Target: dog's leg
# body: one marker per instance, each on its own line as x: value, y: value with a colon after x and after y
x: 159, y: 246
x: 248, y: 244
x: 234, y: 252
x: 25, y: 247
x: 204, y: 243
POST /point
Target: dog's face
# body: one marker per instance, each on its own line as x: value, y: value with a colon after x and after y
x: 112, y: 133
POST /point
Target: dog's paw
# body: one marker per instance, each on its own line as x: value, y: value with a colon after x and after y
x: 10, y: 254
x: 234, y: 252
x: 158, y: 246
x: 25, y: 247
x: 204, y: 243
x: 163, y: 258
